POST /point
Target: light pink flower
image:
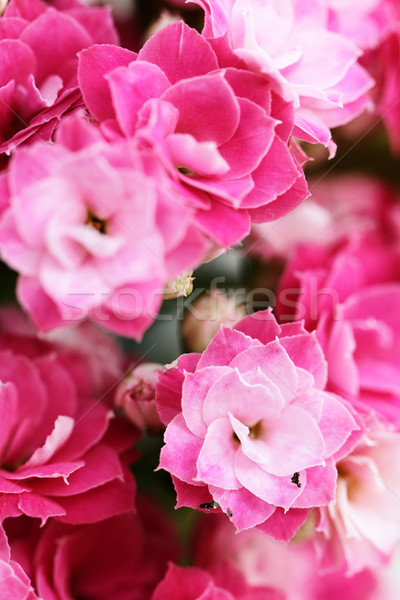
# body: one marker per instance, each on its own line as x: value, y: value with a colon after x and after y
x: 215, y: 130
x: 282, y: 39
x: 375, y: 27
x: 337, y: 206
x: 361, y: 529
x: 38, y: 71
x: 292, y: 569
x: 62, y: 452
x: 122, y: 558
x: 192, y: 583
x: 106, y: 249
x: 251, y: 429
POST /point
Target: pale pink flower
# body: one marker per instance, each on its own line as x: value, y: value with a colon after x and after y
x: 282, y: 39
x: 291, y: 569
x: 62, y: 452
x: 250, y: 429
x: 337, y: 206
x: 106, y: 249
x: 221, y: 134
x: 38, y: 82
x: 361, y: 529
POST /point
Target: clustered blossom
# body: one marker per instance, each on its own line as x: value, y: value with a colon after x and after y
x: 250, y: 427
x: 107, y: 242
x: 123, y: 170
x: 62, y: 452
x: 121, y: 557
x: 39, y: 71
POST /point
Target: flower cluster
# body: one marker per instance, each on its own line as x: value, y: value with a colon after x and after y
x: 140, y: 142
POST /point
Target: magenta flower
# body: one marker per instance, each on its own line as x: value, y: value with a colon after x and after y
x: 106, y: 249
x: 14, y: 582
x: 215, y: 130
x: 251, y: 429
x: 122, y: 558
x: 92, y: 358
x: 192, y: 583
x: 62, y: 453
x: 282, y: 39
x: 38, y: 71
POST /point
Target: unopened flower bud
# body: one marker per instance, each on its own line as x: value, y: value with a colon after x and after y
x: 206, y: 316
x: 135, y: 395
x: 181, y: 286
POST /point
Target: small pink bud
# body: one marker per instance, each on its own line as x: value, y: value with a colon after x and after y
x: 136, y: 397
x: 206, y: 316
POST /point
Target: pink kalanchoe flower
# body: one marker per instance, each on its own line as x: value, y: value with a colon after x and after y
x: 220, y: 131
x: 361, y: 529
x: 250, y: 428
x: 106, y: 249
x: 38, y: 71
x: 62, y: 452
x: 192, y: 583
x: 282, y: 39
x: 122, y: 558
x: 292, y: 569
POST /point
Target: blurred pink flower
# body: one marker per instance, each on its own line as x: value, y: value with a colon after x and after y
x: 205, y: 317
x: 348, y: 290
x: 361, y: 529
x: 337, y: 206
x: 106, y: 249
x: 121, y: 558
x: 281, y: 39
x: 250, y: 429
x: 290, y: 568
x: 92, y: 358
x: 192, y: 583
x: 38, y: 81
x: 62, y: 453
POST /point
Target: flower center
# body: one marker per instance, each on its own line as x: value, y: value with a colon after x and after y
x: 185, y: 170
x: 255, y: 432
x: 93, y: 221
